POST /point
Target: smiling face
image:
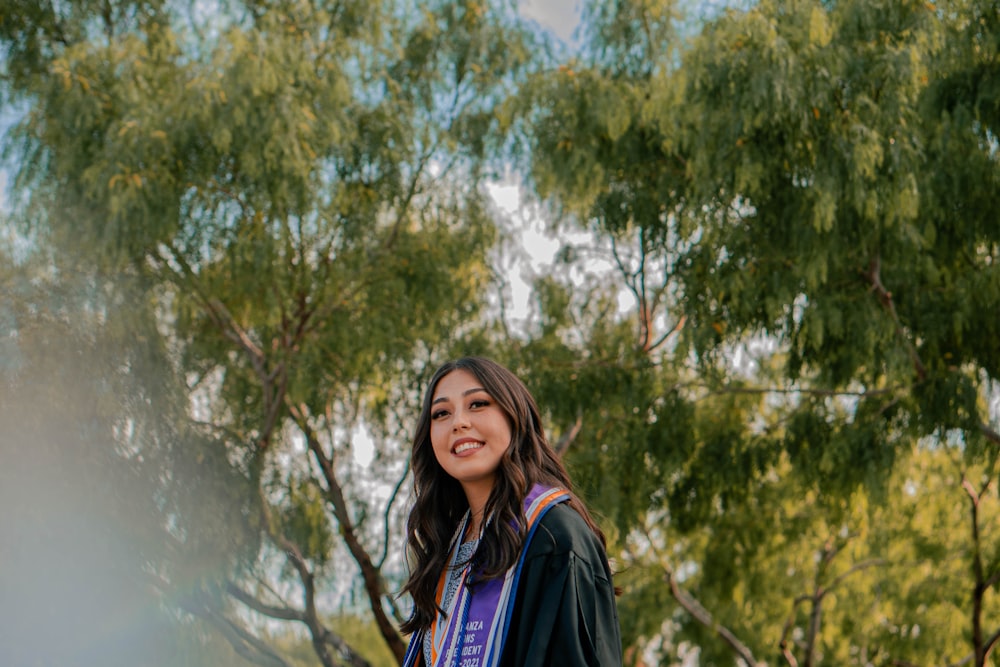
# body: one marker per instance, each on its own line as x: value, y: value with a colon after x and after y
x: 469, y: 433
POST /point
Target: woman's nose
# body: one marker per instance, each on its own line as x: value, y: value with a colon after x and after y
x: 460, y: 421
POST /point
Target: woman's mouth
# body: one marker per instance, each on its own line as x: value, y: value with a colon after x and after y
x: 467, y: 445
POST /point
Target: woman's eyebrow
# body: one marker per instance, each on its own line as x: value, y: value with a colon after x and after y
x: 441, y: 399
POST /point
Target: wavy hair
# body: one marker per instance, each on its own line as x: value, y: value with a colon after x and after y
x: 441, y: 502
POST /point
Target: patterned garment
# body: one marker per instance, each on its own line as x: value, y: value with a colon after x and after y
x: 465, y: 553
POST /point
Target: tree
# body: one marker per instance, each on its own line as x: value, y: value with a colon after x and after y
x: 814, y: 178
x: 297, y: 186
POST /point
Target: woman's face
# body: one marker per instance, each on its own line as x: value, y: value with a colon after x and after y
x: 469, y: 431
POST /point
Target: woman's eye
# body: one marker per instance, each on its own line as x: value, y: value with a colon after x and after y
x: 438, y: 414
x: 479, y: 404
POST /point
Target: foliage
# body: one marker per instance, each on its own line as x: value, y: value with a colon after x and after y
x: 295, y: 185
x: 803, y: 188
x: 772, y: 372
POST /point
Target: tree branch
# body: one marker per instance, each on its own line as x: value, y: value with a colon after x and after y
x: 991, y: 644
x: 787, y: 627
x: 273, y: 392
x: 730, y: 389
x: 262, y: 654
x: 248, y: 646
x: 674, y: 329
x: 697, y: 611
x: 326, y: 636
x: 990, y: 434
x: 344, y: 651
x: 281, y: 613
x: 335, y: 495
x: 635, y: 283
x: 820, y: 591
x: 568, y: 437
x: 702, y: 615
x: 309, y: 616
x: 979, y: 587
x: 964, y: 661
x: 388, y: 509
x: 857, y: 567
x: 885, y: 298
x: 786, y: 653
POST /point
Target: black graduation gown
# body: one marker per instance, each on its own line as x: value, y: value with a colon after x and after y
x: 564, y: 610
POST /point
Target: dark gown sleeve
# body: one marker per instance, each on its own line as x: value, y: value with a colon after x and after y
x: 564, y: 613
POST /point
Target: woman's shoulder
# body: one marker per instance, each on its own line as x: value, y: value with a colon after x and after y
x: 562, y: 530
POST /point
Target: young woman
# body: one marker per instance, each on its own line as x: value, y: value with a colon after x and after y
x: 507, y: 566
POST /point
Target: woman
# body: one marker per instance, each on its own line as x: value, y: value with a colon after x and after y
x: 507, y: 566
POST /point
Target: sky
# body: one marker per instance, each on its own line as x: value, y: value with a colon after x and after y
x: 559, y: 16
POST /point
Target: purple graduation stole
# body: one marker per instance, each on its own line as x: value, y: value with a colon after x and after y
x: 473, y: 633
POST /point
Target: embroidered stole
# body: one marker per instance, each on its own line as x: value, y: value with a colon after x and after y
x: 473, y: 633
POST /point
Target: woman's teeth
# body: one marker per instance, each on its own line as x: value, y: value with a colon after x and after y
x: 466, y: 446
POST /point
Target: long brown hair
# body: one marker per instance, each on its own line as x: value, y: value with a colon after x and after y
x: 441, y: 502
